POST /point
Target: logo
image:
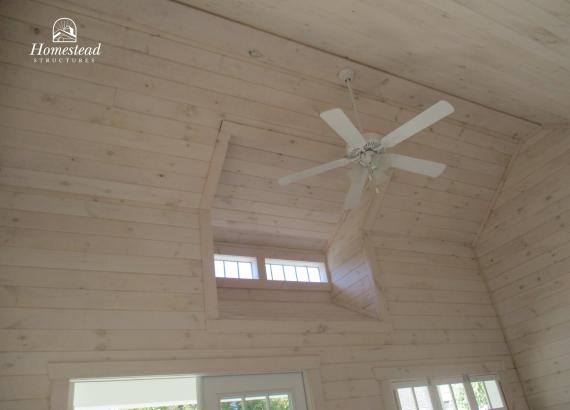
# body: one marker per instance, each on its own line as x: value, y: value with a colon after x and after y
x: 64, y: 30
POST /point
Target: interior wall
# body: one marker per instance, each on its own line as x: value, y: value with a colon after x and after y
x: 102, y: 172
x: 234, y: 303
x: 524, y: 253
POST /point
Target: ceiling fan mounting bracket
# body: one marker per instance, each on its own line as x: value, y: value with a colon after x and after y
x: 346, y: 75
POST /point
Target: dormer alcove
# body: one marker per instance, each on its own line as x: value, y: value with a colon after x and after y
x: 254, y: 218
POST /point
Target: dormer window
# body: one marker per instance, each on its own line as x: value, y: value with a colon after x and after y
x: 295, y: 271
x: 235, y: 267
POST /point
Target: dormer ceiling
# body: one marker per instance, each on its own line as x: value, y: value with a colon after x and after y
x: 251, y: 207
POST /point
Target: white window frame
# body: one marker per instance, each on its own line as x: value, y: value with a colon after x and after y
x: 309, y: 264
x: 238, y: 258
x: 432, y: 383
x: 411, y: 384
x: 490, y: 377
x: 261, y: 253
x: 454, y: 380
x: 214, y: 388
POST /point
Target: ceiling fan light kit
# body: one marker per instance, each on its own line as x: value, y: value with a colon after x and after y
x: 369, y: 152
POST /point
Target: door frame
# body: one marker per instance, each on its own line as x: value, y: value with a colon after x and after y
x: 62, y: 374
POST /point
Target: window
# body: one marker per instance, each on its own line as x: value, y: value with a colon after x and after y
x: 295, y: 271
x: 264, y: 402
x: 413, y: 397
x: 462, y: 393
x: 453, y: 396
x: 235, y: 267
x: 175, y: 392
x: 487, y: 394
x: 283, y: 391
x: 260, y: 270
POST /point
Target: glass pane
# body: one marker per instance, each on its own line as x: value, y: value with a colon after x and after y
x: 302, y: 274
x: 494, y: 394
x: 445, y: 397
x: 256, y: 403
x: 290, y: 273
x: 314, y: 275
x: 277, y: 272
x: 219, y: 269
x: 231, y: 404
x: 422, y: 397
x: 245, y: 270
x: 481, y: 395
x: 460, y: 396
x: 231, y: 269
x: 279, y: 402
x: 268, y: 272
x: 188, y: 406
x: 406, y: 397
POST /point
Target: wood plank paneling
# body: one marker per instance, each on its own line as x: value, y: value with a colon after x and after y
x: 103, y: 169
x: 498, y: 49
x: 524, y: 253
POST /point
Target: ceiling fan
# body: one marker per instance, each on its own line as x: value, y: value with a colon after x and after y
x: 370, y: 152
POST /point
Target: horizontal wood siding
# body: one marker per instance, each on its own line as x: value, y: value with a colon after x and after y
x: 525, y: 254
x: 103, y: 169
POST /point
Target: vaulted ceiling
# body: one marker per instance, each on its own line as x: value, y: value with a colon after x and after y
x: 510, y: 55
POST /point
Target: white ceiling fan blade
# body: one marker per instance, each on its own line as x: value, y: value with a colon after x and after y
x: 420, y: 122
x: 358, y: 177
x: 419, y: 166
x: 341, y: 124
x: 319, y: 169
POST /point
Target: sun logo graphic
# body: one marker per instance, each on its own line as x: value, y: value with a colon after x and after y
x: 64, y: 31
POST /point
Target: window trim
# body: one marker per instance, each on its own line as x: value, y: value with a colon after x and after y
x: 272, y: 284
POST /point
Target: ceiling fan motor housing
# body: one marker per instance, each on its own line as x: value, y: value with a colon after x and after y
x: 368, y: 155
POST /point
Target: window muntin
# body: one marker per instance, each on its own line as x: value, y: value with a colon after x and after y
x: 479, y: 393
x: 295, y: 271
x: 235, y: 267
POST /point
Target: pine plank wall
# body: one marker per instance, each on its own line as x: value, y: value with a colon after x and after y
x: 524, y: 255
x: 103, y: 167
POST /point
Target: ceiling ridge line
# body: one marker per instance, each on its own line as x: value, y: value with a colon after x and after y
x: 351, y: 60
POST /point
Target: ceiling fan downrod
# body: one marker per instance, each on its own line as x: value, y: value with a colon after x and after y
x: 346, y: 75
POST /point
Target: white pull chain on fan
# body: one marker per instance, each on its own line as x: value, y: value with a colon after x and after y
x: 371, y: 156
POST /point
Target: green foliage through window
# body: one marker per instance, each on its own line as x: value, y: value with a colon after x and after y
x: 178, y: 407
